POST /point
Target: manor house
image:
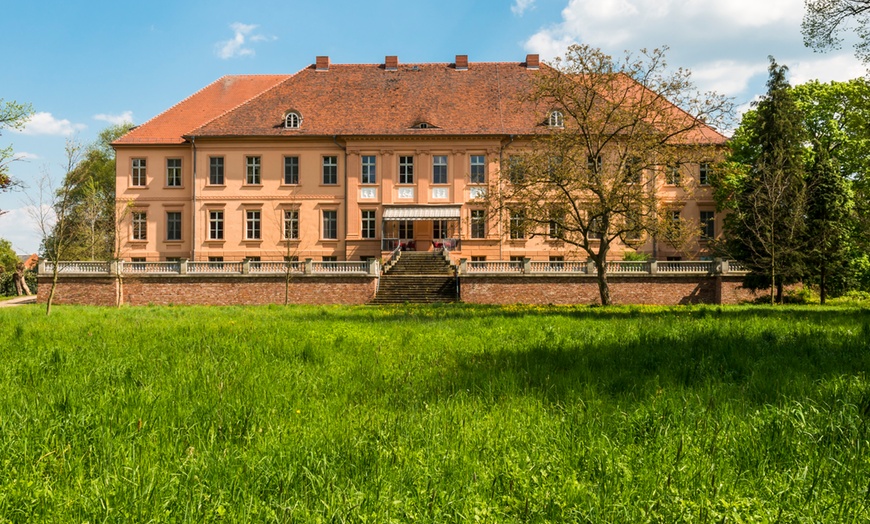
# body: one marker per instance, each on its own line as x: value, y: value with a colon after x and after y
x: 347, y: 162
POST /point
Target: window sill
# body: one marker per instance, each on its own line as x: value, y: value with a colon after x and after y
x: 173, y: 242
x: 289, y: 185
x: 252, y: 186
x: 215, y: 240
x: 138, y: 241
x: 216, y: 186
x: 173, y: 187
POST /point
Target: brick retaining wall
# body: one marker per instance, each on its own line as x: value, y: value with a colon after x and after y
x: 547, y: 289
x: 210, y: 290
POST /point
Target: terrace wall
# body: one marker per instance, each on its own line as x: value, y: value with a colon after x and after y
x: 209, y: 290
x: 583, y: 289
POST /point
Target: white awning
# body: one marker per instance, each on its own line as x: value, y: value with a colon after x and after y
x: 421, y: 213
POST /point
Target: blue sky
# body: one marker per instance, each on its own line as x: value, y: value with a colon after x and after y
x: 84, y: 65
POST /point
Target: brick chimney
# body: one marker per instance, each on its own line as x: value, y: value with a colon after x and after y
x: 391, y: 63
x: 532, y: 62
x: 462, y: 62
x: 322, y: 63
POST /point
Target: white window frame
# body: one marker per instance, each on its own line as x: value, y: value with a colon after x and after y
x: 330, y: 170
x: 329, y: 224
x: 173, y: 225
x: 291, y: 224
x: 369, y: 170
x: 369, y: 224
x: 291, y: 170
x: 292, y: 120
x: 215, y: 170
x: 139, y: 174
x: 216, y: 224
x: 253, y: 224
x: 139, y: 222
x: 406, y: 169
x: 252, y: 170
x: 439, y: 169
x: 173, y: 172
x: 556, y: 119
x: 478, y: 169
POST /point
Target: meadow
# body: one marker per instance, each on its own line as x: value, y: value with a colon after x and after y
x: 435, y: 414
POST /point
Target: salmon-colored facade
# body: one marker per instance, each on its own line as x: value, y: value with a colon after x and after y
x: 341, y: 162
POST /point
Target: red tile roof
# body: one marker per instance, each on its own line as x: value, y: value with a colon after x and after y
x: 215, y: 99
x: 363, y: 100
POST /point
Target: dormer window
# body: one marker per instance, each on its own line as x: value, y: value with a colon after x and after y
x: 556, y: 119
x: 292, y: 120
x: 424, y: 125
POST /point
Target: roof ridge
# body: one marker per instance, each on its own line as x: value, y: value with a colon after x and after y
x: 261, y: 93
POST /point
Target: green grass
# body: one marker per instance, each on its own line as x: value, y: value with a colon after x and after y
x: 435, y: 414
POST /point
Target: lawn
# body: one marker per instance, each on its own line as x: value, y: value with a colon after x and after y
x: 435, y: 414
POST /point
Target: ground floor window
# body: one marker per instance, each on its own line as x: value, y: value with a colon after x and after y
x: 406, y: 229
x: 439, y: 229
x: 368, y: 223
x: 330, y: 224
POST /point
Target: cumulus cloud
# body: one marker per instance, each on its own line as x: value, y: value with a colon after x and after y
x: 21, y: 229
x: 521, y: 6
x: 46, y: 124
x: 725, y: 44
x: 123, y: 118
x: 236, y: 46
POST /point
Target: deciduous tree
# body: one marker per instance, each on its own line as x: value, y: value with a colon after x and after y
x: 826, y: 20
x: 13, y: 116
x: 610, y: 126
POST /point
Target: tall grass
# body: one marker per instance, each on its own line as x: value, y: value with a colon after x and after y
x: 435, y: 414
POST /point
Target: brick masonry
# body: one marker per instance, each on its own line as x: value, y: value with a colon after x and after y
x: 213, y: 290
x: 482, y: 289
x: 545, y: 289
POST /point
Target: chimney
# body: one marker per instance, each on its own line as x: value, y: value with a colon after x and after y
x: 532, y: 62
x: 462, y: 62
x: 322, y: 63
x: 391, y: 63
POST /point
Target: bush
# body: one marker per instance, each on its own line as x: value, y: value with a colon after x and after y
x: 633, y: 256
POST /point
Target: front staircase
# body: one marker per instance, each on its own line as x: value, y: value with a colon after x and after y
x: 417, y: 277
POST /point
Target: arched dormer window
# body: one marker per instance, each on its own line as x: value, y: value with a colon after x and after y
x: 292, y: 120
x: 556, y: 119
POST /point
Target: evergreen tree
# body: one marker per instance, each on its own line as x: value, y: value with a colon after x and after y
x: 766, y: 189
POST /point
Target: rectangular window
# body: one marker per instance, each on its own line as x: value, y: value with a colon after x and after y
x: 368, y: 223
x: 675, y: 217
x: 516, y: 170
x: 406, y: 170
x: 633, y: 171
x: 593, y: 163
x: 330, y: 259
x: 478, y: 169
x: 517, y: 225
x: 330, y: 224
x: 555, y: 225
x: 672, y: 174
x: 439, y: 229
x: 595, y: 230
x: 557, y: 263
x: 369, y: 170
x: 330, y: 170
x: 216, y: 170
x: 704, y: 172
x: 406, y: 229
x: 291, y: 170
x: 252, y: 225
x: 291, y: 224
x: 439, y: 169
x: 708, y: 223
x: 554, y: 168
x: 173, y: 225
x: 139, y: 178
x: 140, y: 225
x: 478, y: 223
x: 215, y: 225
x: 173, y: 172
x: 252, y: 164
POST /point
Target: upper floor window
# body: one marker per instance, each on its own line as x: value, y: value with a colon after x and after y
x: 173, y: 225
x: 291, y: 224
x: 173, y: 172
x: 593, y: 163
x: 140, y: 225
x: 478, y: 169
x: 369, y: 170
x: 406, y: 169
x: 672, y: 174
x: 478, y: 223
x: 330, y: 224
x: 139, y: 178
x: 292, y: 120
x: 556, y: 119
x: 439, y: 169
x: 516, y: 170
x: 368, y: 223
x: 708, y: 225
x: 330, y: 170
x: 291, y: 170
x: 215, y: 225
x: 216, y: 170
x: 252, y: 225
x: 252, y: 164
x: 517, y: 225
x: 704, y: 172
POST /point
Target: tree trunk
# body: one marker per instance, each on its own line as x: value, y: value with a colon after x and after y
x: 779, y: 292
x: 603, y: 286
x: 823, y: 284
x: 21, y: 287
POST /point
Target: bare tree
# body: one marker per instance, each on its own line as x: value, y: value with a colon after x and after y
x: 610, y: 131
x: 51, y: 210
x: 825, y: 20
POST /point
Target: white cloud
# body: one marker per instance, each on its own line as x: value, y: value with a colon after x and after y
x: 728, y: 77
x: 46, y: 124
x: 19, y: 227
x: 840, y: 67
x: 521, y: 6
x: 235, y: 46
x: 25, y: 156
x: 125, y: 117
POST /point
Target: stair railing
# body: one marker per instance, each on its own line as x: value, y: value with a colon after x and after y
x: 393, y: 258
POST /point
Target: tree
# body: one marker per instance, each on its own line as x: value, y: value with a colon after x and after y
x: 828, y: 220
x: 52, y: 211
x: 610, y: 125
x: 90, y: 223
x: 763, y: 185
x: 12, y: 271
x: 12, y: 115
x: 825, y: 20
